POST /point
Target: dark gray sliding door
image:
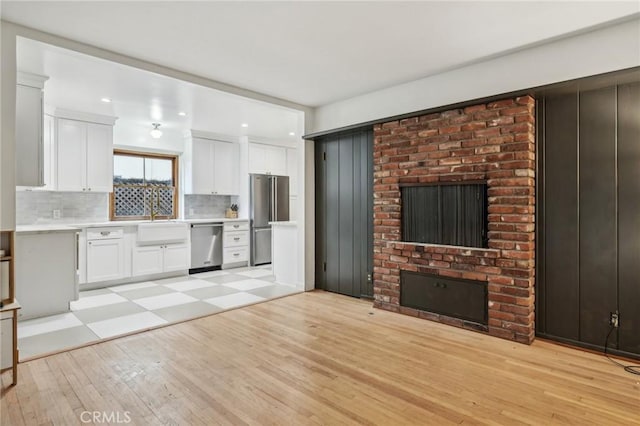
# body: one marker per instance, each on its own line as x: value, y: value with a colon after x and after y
x: 589, y: 217
x: 344, y: 213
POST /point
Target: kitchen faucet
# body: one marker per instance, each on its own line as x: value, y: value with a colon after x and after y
x: 152, y: 208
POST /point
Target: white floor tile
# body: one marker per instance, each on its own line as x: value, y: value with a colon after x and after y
x: 164, y: 300
x: 47, y: 324
x: 136, y: 286
x: 256, y: 273
x: 95, y: 301
x: 234, y: 300
x: 248, y: 284
x: 125, y: 324
x: 190, y: 285
x: 210, y: 274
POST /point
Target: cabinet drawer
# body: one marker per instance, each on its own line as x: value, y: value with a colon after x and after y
x: 236, y: 239
x: 235, y: 254
x: 236, y: 226
x: 104, y: 233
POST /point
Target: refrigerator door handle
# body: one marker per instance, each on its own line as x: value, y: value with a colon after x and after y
x: 272, y: 199
x: 275, y: 199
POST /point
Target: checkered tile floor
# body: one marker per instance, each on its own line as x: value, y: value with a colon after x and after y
x: 113, y: 311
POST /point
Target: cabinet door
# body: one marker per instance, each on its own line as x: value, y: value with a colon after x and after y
x: 202, y: 163
x: 29, y: 149
x: 176, y: 257
x: 257, y: 159
x: 105, y: 260
x: 292, y: 170
x: 225, y: 168
x: 99, y: 158
x: 147, y: 260
x: 71, y: 155
x: 276, y: 158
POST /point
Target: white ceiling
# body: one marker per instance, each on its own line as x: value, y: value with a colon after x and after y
x: 139, y: 98
x: 314, y: 53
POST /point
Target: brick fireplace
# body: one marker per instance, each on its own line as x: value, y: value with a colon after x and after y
x: 492, y: 142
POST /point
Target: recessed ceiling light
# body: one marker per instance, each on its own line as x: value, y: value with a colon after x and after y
x: 244, y: 125
x: 182, y: 113
x: 106, y: 100
x: 292, y: 133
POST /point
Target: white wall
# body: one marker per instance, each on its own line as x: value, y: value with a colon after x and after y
x: 604, y: 50
x: 7, y: 128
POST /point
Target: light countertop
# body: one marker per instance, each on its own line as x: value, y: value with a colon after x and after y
x: 68, y: 227
x: 284, y: 223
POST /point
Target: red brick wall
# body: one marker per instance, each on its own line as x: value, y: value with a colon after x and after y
x: 493, y: 142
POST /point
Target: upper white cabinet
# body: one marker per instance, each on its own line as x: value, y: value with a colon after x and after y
x: 211, y: 167
x: 267, y: 159
x: 84, y: 155
x: 29, y: 130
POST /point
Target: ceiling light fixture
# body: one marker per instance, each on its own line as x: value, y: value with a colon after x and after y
x: 182, y: 114
x: 292, y: 133
x: 155, y: 132
x: 244, y: 125
x: 106, y: 100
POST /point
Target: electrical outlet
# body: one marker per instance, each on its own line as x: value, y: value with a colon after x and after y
x: 614, y: 319
x: 190, y: 212
x: 56, y: 214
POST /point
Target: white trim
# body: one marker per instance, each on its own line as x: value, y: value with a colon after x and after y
x: 84, y: 116
x: 201, y: 134
x: 32, y: 80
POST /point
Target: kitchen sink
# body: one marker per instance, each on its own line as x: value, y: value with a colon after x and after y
x: 162, y: 231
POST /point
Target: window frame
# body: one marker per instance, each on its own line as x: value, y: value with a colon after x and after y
x: 175, y: 177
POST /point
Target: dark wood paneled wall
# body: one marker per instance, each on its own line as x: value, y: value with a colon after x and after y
x: 589, y: 216
x: 344, y: 213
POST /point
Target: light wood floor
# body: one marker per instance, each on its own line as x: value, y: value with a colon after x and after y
x: 320, y: 358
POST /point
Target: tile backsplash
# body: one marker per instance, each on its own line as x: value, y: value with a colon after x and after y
x: 36, y: 207
x: 207, y: 206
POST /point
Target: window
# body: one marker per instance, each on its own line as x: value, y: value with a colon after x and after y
x: 144, y: 185
x: 445, y: 214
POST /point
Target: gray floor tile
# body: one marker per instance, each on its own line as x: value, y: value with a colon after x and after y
x: 146, y: 292
x: 273, y: 291
x: 96, y: 292
x: 209, y: 292
x: 226, y: 278
x: 186, y: 311
x: 55, y: 341
x: 108, y: 312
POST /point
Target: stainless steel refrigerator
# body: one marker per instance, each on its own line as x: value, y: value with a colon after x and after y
x: 268, y: 202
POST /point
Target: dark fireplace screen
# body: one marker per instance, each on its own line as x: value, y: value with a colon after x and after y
x: 453, y: 214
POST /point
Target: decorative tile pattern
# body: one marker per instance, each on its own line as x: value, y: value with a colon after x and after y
x: 36, y: 207
x: 123, y: 309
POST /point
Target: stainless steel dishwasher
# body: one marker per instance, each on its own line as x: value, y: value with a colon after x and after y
x: 206, y: 247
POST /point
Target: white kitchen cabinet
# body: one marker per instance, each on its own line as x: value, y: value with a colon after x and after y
x: 147, y: 260
x: 267, y: 159
x: 176, y: 257
x: 6, y: 341
x: 235, y: 238
x: 105, y: 260
x: 84, y: 156
x: 292, y: 170
x: 156, y: 259
x: 211, y: 167
x: 29, y: 130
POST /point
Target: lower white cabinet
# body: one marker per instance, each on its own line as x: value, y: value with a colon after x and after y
x: 157, y: 259
x: 105, y: 260
x: 235, y: 240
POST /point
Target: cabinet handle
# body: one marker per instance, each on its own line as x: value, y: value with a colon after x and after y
x: 236, y: 254
x: 236, y: 239
x: 89, y: 242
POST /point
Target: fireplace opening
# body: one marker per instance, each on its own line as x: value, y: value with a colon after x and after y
x: 449, y: 214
